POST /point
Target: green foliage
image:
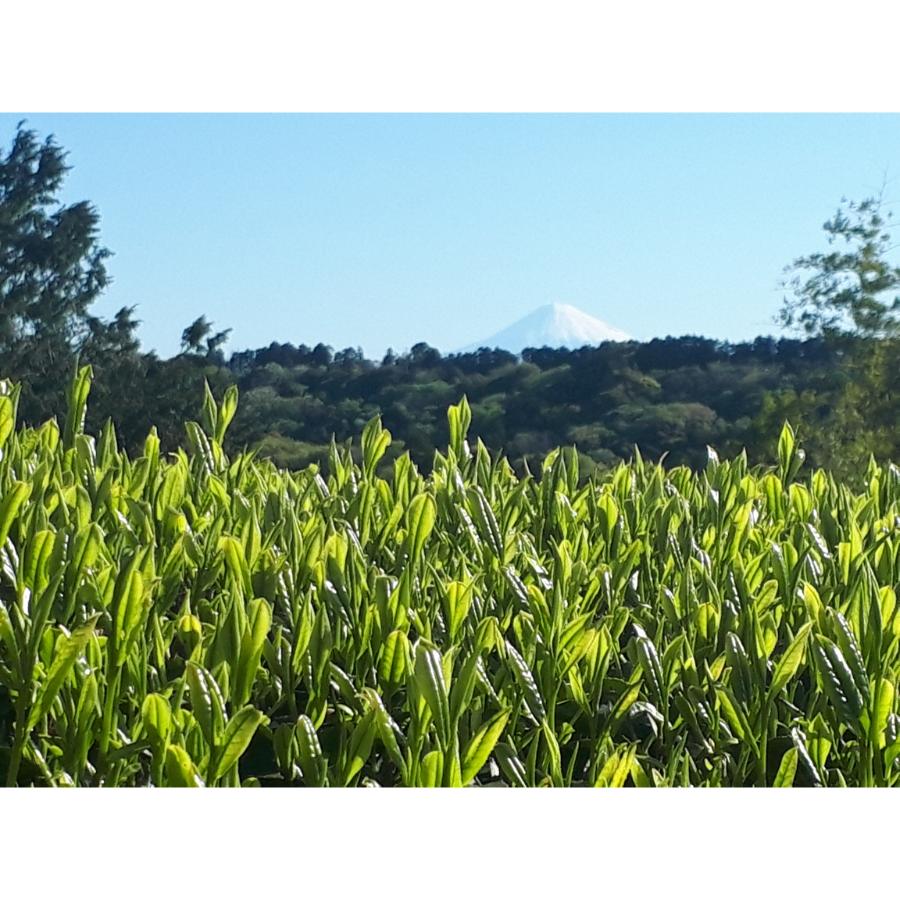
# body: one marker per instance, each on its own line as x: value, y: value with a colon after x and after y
x: 852, y: 288
x: 52, y: 268
x: 850, y: 298
x: 673, y: 396
x: 195, y: 619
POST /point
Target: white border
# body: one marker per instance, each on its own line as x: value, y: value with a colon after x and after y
x: 480, y: 843
x: 491, y: 55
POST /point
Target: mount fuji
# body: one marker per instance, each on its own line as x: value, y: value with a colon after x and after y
x: 553, y: 325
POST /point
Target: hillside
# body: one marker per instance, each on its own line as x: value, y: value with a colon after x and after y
x: 672, y: 396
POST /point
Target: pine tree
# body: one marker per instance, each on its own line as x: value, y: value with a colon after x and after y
x: 52, y: 269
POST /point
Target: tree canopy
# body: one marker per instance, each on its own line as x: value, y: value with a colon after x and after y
x: 52, y: 269
x: 849, y: 296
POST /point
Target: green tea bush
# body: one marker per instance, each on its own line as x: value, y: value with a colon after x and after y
x: 200, y: 620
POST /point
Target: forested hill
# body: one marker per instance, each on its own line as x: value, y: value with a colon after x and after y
x: 673, y: 396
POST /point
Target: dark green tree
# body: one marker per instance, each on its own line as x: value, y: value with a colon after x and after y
x: 199, y: 339
x: 52, y: 269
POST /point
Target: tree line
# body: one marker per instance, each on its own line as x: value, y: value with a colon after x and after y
x: 835, y: 381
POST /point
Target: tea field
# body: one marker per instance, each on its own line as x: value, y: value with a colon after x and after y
x: 192, y: 619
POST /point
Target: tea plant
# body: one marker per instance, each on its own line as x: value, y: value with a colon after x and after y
x: 199, y: 620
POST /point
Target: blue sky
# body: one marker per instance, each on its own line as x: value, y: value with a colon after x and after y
x: 379, y: 231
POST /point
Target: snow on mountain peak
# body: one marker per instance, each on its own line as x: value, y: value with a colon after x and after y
x: 552, y: 325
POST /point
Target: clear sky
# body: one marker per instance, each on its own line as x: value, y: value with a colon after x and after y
x: 378, y: 231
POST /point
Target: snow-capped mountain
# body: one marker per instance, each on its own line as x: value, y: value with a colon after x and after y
x: 553, y: 325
